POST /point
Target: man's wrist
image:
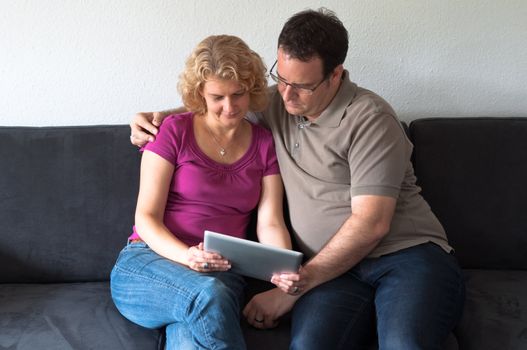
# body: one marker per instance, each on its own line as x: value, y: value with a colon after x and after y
x: 312, y: 273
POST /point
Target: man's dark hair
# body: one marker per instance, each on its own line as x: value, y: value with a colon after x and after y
x: 311, y: 33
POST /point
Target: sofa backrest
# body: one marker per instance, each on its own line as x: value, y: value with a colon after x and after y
x: 67, y: 199
x: 68, y: 194
x: 473, y: 172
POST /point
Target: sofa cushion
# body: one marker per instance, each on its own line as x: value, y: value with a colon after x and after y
x: 473, y: 173
x: 495, y: 313
x: 67, y: 316
x: 67, y: 199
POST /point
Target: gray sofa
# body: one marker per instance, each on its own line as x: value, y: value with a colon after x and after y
x: 67, y: 197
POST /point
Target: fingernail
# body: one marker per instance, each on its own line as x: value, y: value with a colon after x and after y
x: 150, y: 139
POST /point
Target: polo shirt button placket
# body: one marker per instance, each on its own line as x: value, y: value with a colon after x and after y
x: 300, y: 128
x: 294, y: 151
x: 297, y: 144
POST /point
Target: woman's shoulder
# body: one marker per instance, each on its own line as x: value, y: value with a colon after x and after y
x: 176, y: 123
x: 260, y: 130
x: 262, y: 137
x: 179, y: 118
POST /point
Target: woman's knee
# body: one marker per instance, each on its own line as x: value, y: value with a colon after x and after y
x: 213, y: 293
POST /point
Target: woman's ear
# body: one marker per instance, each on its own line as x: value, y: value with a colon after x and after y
x: 200, y: 95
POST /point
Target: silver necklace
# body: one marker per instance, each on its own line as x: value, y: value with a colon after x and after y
x: 222, y: 150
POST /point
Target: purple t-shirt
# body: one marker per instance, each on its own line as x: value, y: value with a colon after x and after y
x: 205, y: 194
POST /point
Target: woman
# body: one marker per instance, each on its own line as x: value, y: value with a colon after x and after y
x: 207, y: 169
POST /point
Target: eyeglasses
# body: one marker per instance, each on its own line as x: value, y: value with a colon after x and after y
x: 298, y: 88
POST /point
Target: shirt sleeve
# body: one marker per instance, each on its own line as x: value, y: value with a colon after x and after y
x: 168, y: 140
x: 378, y: 156
x: 271, y: 161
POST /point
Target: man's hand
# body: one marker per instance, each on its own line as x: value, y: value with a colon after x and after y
x: 265, y: 309
x: 144, y: 127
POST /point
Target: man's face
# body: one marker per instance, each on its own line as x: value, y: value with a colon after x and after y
x: 294, y: 73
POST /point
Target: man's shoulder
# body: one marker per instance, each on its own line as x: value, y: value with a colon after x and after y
x: 370, y: 110
x: 371, y: 102
x: 361, y: 100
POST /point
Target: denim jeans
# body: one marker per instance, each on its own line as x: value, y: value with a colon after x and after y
x: 414, y: 296
x: 199, y: 310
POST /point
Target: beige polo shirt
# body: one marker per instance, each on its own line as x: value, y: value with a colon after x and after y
x: 355, y: 147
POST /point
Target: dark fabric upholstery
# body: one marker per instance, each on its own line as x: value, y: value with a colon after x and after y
x: 67, y: 199
x: 495, y: 314
x: 473, y: 172
x: 67, y: 316
x: 257, y: 339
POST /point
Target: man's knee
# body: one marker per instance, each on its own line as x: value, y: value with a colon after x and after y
x: 334, y: 318
x: 319, y: 341
x: 408, y: 341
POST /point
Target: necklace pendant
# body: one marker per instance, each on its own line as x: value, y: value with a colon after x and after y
x: 222, y: 152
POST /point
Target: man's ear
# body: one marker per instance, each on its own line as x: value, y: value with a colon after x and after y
x: 336, y: 75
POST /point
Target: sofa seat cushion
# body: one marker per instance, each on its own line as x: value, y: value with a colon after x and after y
x: 260, y: 339
x: 67, y: 316
x: 495, y: 314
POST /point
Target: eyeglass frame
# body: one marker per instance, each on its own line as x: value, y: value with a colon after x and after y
x: 299, y: 89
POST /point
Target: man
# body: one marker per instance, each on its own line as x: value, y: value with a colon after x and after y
x: 377, y: 254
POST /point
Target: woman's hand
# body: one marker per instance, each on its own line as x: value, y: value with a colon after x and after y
x: 204, y: 261
x: 292, y: 283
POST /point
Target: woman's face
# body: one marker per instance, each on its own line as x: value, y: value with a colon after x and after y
x: 227, y: 101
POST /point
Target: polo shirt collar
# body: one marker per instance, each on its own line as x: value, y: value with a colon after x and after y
x: 334, y: 113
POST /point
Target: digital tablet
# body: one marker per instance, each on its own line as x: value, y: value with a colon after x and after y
x: 251, y: 258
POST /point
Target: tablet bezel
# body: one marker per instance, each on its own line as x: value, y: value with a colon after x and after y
x: 251, y: 258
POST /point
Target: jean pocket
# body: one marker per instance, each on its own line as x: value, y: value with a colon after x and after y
x: 128, y: 248
x: 139, y: 244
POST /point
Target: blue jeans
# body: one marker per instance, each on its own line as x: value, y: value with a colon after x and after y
x: 199, y: 310
x: 414, y: 296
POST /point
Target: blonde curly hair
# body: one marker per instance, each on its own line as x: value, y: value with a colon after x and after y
x: 224, y: 57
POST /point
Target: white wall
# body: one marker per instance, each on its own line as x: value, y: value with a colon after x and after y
x: 75, y: 62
